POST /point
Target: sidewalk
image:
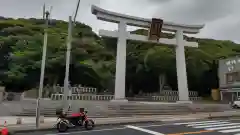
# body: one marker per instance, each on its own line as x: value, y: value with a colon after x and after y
x: 12, y: 120
x: 98, y: 121
x: 29, y: 122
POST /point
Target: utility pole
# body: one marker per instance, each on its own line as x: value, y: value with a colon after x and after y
x: 68, y: 53
x: 68, y: 56
x: 46, y: 17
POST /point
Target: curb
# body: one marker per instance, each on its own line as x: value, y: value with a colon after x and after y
x: 55, y: 116
x: 81, y: 128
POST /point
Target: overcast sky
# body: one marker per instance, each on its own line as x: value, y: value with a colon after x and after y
x: 221, y: 17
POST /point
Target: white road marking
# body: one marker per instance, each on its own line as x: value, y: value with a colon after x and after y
x: 177, y: 119
x: 144, y: 130
x: 193, y: 122
x: 218, y: 125
x: 220, y: 128
x: 230, y: 131
x: 207, y: 123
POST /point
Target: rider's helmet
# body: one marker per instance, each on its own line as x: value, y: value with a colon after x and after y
x: 59, y: 112
x: 81, y: 110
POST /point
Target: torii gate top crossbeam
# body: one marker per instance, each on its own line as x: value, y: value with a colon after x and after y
x: 114, y: 17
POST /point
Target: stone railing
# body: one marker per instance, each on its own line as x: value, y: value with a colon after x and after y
x: 170, y: 93
x: 83, y: 97
x: 76, y: 89
x: 172, y: 98
x: 110, y: 97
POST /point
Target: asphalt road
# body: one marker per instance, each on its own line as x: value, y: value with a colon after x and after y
x: 197, y: 127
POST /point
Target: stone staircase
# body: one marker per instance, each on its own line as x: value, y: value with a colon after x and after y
x: 147, y: 109
x: 48, y: 108
x: 109, y: 109
x: 163, y: 109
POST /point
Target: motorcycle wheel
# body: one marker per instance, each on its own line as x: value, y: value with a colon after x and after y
x: 62, y: 127
x: 89, y: 124
x: 79, y: 123
x: 234, y: 106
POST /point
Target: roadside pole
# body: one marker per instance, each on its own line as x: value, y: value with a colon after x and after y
x: 68, y: 55
x: 42, y: 68
x: 66, y: 102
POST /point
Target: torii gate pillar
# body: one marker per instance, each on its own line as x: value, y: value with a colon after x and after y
x: 119, y: 93
x: 122, y: 35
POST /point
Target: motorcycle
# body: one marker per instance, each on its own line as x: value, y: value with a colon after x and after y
x: 234, y: 105
x: 64, y: 123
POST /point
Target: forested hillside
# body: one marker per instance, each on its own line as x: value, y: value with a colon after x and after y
x: 93, y: 58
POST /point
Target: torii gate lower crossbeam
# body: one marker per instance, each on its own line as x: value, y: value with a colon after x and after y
x: 123, y: 36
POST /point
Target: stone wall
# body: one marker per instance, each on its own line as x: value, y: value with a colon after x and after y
x: 31, y: 93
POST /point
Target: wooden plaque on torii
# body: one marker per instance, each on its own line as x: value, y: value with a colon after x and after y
x: 155, y: 29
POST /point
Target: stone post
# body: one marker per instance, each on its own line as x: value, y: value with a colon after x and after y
x: 2, y: 90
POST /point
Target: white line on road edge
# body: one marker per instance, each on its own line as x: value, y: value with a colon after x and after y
x: 144, y: 130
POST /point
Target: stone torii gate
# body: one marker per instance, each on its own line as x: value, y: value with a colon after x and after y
x: 123, y: 35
